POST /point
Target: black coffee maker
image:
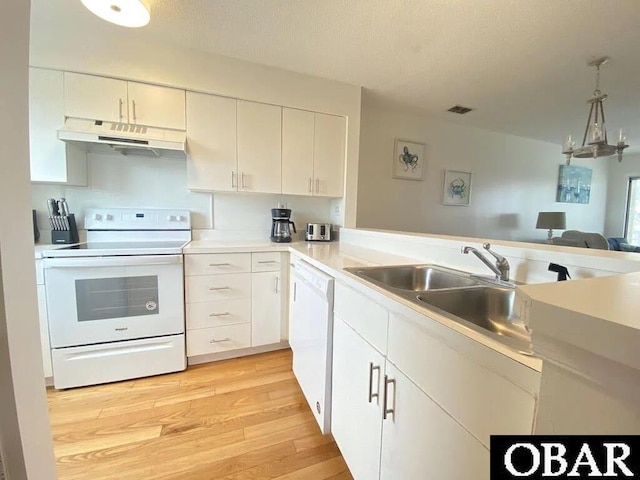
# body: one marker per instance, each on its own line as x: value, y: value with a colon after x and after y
x: 280, y: 225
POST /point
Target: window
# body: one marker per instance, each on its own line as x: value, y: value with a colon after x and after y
x: 632, y: 224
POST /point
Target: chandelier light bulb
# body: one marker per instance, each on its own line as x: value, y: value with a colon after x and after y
x: 126, y: 13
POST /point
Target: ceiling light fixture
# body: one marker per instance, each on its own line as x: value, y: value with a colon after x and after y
x: 595, y: 142
x: 126, y: 13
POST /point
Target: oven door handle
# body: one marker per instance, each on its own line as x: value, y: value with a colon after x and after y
x: 118, y: 261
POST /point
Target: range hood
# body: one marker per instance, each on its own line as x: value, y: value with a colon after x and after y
x: 124, y: 138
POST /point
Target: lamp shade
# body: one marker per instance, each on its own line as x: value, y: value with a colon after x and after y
x: 552, y: 220
x: 126, y: 13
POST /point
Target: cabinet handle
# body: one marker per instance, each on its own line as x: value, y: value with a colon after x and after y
x: 233, y: 183
x: 294, y: 291
x: 243, y: 184
x: 223, y: 314
x: 213, y: 340
x: 120, y: 108
x: 385, y: 408
x: 133, y: 104
x: 317, y: 185
x: 219, y: 288
x: 310, y: 185
x: 371, y: 394
x: 267, y: 261
x: 219, y: 264
x: 277, y: 284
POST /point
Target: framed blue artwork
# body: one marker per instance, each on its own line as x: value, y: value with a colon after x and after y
x: 574, y: 184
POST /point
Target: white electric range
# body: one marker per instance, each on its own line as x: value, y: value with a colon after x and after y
x: 116, y: 303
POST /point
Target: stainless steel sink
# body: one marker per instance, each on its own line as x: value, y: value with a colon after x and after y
x: 481, y: 304
x: 417, y: 278
x: 488, y: 307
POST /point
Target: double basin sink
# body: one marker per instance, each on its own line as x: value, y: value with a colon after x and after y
x: 481, y: 304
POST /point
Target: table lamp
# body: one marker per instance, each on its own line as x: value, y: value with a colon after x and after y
x: 550, y: 220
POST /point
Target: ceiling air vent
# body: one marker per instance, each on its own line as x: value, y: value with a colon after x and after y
x: 459, y: 109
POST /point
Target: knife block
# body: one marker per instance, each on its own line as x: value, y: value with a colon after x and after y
x: 66, y: 236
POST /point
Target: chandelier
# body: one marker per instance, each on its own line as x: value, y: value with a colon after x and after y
x: 595, y: 142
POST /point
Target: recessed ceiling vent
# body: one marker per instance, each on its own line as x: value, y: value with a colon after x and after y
x: 459, y: 109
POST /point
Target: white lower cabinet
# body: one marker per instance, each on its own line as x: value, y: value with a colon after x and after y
x: 420, y: 440
x: 417, y: 399
x: 356, y: 404
x: 266, y: 308
x: 234, y: 301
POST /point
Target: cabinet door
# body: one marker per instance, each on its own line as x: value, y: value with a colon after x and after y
x: 356, y: 418
x: 259, y: 147
x: 297, y: 151
x: 420, y: 440
x: 95, y: 98
x: 328, y: 155
x: 51, y: 160
x: 212, y: 158
x: 156, y: 106
x: 44, y: 331
x: 266, y: 308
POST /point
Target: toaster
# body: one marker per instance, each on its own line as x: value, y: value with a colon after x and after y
x: 318, y: 232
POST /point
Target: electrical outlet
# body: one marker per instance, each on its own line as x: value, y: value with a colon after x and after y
x: 336, y: 210
x: 281, y: 204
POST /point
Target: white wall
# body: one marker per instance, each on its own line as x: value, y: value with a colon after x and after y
x: 118, y: 52
x: 25, y: 435
x: 619, y: 174
x: 513, y: 178
x: 119, y: 181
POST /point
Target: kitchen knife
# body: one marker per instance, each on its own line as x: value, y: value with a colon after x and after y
x: 52, y: 206
x: 62, y: 207
x: 66, y: 206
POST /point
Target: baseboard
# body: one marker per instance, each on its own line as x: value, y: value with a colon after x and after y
x: 241, y: 352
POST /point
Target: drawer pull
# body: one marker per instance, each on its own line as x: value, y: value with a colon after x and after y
x: 385, y: 408
x: 213, y: 340
x: 371, y: 394
x: 219, y: 314
x: 219, y: 264
x: 267, y: 261
x: 219, y: 288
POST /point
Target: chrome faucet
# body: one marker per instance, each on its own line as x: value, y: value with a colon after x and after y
x: 501, y: 268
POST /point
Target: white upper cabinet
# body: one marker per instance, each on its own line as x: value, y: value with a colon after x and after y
x: 259, y: 147
x: 313, y: 152
x: 328, y: 155
x: 51, y: 160
x: 95, y: 98
x: 101, y: 98
x: 297, y: 151
x: 212, y: 160
x: 156, y: 106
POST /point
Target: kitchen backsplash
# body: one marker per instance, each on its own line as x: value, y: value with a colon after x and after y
x: 118, y: 181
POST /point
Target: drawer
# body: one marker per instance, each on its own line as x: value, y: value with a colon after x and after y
x: 461, y: 386
x: 363, y: 315
x: 266, y: 262
x: 213, y: 288
x: 218, y: 339
x: 216, y: 314
x: 214, y: 263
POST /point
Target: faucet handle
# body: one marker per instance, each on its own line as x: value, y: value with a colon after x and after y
x: 487, y: 247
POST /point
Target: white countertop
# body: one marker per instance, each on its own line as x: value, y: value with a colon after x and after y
x: 334, y: 257
x: 599, y: 315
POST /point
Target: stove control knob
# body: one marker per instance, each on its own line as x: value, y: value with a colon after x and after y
x: 109, y: 216
x: 180, y: 218
x: 97, y: 216
x: 171, y: 218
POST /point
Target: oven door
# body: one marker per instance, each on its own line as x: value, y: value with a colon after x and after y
x: 106, y: 299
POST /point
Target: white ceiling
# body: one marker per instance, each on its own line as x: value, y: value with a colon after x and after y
x: 520, y: 63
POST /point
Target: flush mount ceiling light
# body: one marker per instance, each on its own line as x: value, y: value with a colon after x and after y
x: 595, y: 142
x: 126, y: 13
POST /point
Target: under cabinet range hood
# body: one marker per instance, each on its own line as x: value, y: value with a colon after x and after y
x: 124, y: 138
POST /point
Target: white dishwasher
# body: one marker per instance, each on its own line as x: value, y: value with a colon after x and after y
x: 311, y: 338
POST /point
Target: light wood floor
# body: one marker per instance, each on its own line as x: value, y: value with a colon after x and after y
x: 237, y: 419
